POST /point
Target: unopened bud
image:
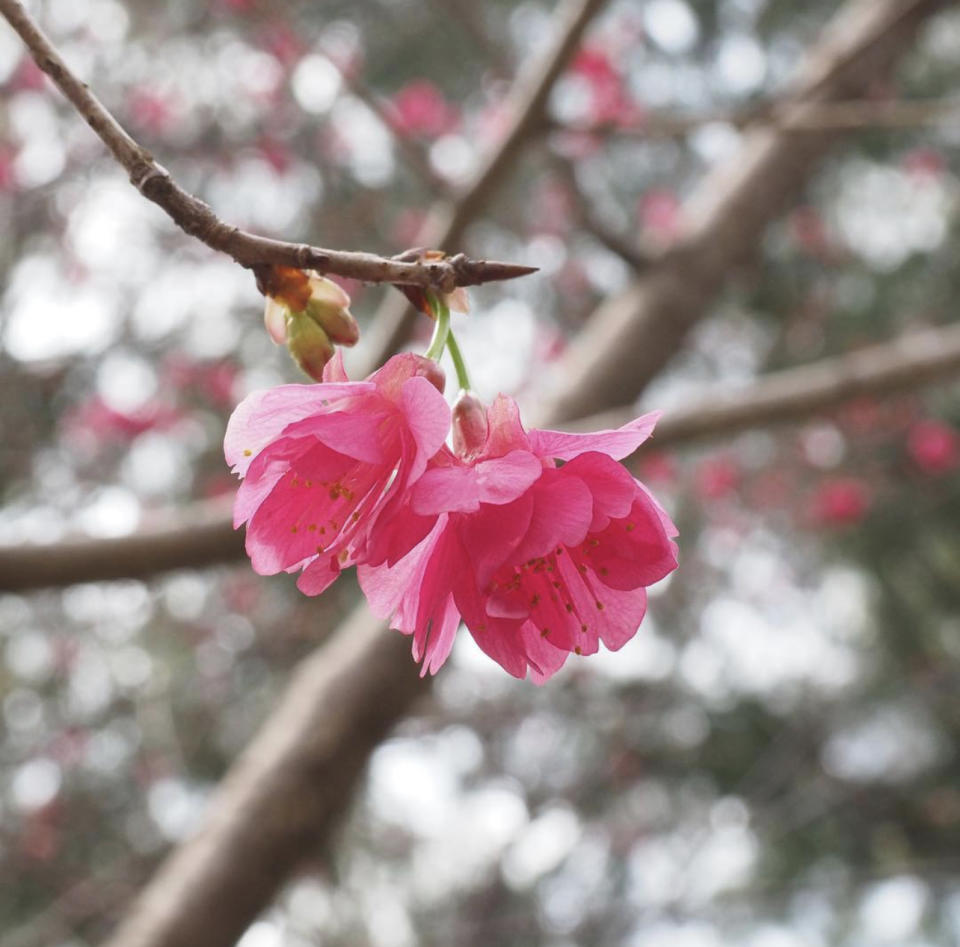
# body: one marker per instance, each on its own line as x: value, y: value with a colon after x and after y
x: 296, y: 298
x: 469, y: 422
x: 429, y: 369
x: 329, y: 308
x: 309, y: 345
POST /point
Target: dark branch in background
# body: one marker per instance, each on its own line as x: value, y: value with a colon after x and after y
x: 283, y: 796
x: 616, y: 243
x: 795, y: 394
x: 827, y: 116
x: 632, y: 336
x: 194, y: 217
x: 204, y: 537
x: 447, y: 221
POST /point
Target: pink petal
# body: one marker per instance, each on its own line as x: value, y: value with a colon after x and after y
x: 612, y: 487
x: 334, y: 371
x: 275, y: 319
x: 390, y: 377
x: 616, y: 444
x: 491, y: 538
x: 462, y: 488
x: 357, y: 431
x: 262, y: 416
x: 544, y: 659
x: 319, y: 575
x: 506, y: 432
x: 398, y: 530
x: 563, y: 511
x: 427, y: 416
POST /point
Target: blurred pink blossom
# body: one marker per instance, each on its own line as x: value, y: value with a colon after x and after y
x: 840, y: 501
x: 933, y: 446
x: 419, y: 108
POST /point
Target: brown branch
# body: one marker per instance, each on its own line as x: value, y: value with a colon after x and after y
x: 632, y: 336
x: 283, y: 796
x: 826, y: 116
x: 447, y: 221
x: 203, y: 536
x: 196, y: 218
x: 796, y: 394
x: 616, y: 243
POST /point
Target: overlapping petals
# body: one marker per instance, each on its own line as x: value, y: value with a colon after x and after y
x: 539, y: 560
x: 540, y: 541
x: 324, y: 463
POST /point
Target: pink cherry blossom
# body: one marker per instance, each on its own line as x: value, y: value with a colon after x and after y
x: 933, y: 446
x: 840, y: 501
x: 540, y: 560
x: 322, y: 463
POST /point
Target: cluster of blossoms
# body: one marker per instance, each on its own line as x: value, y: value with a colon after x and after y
x: 540, y: 541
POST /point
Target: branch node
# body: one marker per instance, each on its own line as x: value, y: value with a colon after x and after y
x: 152, y: 172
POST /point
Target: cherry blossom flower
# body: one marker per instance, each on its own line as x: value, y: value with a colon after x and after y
x: 840, y: 501
x: 322, y: 463
x: 541, y: 560
x: 933, y: 446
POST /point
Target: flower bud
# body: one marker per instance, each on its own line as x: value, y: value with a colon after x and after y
x: 309, y: 345
x: 430, y: 370
x: 469, y: 422
x: 328, y: 307
x: 293, y: 293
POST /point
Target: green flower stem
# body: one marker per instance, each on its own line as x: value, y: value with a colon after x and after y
x: 463, y: 379
x: 441, y: 330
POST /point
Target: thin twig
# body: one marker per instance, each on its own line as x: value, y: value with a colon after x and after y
x: 196, y: 218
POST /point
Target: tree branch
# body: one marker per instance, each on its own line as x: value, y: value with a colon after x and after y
x: 795, y: 394
x: 196, y: 218
x: 616, y: 243
x: 283, y: 796
x: 633, y: 335
x: 851, y: 115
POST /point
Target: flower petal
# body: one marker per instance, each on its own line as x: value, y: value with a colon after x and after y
x: 262, y: 416
x: 427, y: 416
x: 563, y: 511
x: 462, y: 488
x: 617, y: 444
x: 275, y: 319
x: 334, y: 371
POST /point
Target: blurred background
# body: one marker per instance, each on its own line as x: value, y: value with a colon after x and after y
x: 771, y: 762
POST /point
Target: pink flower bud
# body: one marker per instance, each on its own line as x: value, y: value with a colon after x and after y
x: 469, y: 425
x: 328, y: 307
x: 309, y: 345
